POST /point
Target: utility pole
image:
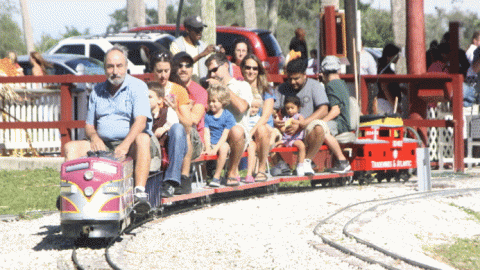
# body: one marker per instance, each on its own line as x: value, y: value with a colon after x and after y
x: 162, y: 12
x: 135, y: 13
x: 209, y: 18
x: 27, y: 26
x: 399, y: 31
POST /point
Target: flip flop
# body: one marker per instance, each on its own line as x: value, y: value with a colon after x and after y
x: 263, y: 177
x: 233, y: 181
x: 249, y: 179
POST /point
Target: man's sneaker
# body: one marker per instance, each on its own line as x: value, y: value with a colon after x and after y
x: 215, y: 182
x: 300, y: 170
x: 342, y: 166
x: 167, y: 189
x: 142, y: 206
x: 281, y: 169
x: 307, y: 167
x: 185, y: 186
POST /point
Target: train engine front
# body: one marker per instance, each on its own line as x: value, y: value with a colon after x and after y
x: 96, y: 196
x: 381, y: 150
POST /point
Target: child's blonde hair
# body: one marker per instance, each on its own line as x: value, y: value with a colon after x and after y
x: 219, y: 92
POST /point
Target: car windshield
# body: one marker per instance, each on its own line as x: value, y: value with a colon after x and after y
x: 133, y: 48
x: 273, y: 48
x: 92, y: 66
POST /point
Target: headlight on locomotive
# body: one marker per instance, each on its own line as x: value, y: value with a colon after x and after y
x: 88, y: 175
x: 89, y: 191
x: 68, y: 189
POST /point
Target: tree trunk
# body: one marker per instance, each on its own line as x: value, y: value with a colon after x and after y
x: 250, y: 13
x: 399, y: 31
x: 162, y: 12
x: 273, y: 15
x: 209, y: 18
x: 135, y: 13
x: 27, y: 26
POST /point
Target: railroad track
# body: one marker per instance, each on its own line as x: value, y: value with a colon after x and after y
x: 339, y: 231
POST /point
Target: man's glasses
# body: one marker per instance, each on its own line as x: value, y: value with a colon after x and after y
x: 213, y: 70
x: 250, y: 67
x: 185, y: 65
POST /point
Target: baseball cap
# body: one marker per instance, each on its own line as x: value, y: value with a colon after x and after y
x: 330, y: 63
x: 194, y: 22
x: 177, y: 58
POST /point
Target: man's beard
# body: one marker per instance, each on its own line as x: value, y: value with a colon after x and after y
x: 116, y: 80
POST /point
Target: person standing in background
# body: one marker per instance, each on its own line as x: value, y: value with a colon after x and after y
x: 192, y: 44
x: 299, y: 44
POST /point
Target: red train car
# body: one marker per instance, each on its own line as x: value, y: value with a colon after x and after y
x: 382, y: 150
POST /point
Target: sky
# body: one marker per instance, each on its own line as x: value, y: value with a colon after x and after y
x: 52, y: 16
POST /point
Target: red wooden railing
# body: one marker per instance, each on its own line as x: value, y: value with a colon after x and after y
x: 423, y: 89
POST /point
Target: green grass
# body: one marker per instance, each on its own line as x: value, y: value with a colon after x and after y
x: 22, y: 192
x: 463, y: 254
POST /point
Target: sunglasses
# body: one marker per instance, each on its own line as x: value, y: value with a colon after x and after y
x: 250, y: 67
x: 213, y: 70
x: 185, y: 65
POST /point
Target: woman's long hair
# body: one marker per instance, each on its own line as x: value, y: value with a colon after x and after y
x: 37, y: 57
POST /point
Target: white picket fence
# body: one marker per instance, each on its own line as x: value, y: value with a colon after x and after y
x: 40, y: 103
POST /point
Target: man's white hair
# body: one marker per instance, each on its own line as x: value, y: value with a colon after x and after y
x: 120, y: 48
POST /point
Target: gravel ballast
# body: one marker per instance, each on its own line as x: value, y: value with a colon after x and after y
x: 261, y: 233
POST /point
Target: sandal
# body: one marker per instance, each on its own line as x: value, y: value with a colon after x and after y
x: 233, y: 181
x: 262, y: 177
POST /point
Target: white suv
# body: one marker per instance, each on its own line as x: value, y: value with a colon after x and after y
x: 97, y: 46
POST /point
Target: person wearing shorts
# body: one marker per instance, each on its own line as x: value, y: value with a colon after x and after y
x: 314, y: 106
x: 241, y: 97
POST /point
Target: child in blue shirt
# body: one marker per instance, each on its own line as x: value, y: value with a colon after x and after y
x: 218, y: 123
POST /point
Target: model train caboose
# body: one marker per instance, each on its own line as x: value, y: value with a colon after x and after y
x: 382, y: 150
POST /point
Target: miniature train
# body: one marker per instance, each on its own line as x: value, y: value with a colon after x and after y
x: 96, y: 196
x: 96, y: 192
x: 382, y: 150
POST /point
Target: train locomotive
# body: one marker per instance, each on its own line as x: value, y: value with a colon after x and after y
x: 382, y: 150
x: 96, y: 196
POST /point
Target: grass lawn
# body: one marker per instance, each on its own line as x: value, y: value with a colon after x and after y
x: 25, y: 191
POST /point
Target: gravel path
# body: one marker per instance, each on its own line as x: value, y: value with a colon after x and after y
x: 259, y: 233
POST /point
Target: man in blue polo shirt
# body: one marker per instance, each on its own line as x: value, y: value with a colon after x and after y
x: 119, y: 119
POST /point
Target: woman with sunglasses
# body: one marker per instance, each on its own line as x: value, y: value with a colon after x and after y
x: 176, y: 97
x: 254, y: 73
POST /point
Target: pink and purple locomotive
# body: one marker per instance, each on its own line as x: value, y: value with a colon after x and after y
x: 96, y: 197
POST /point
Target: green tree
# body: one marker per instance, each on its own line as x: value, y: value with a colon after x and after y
x: 47, y: 41
x: 11, y: 38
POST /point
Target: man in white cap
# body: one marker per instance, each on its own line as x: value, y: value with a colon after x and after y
x: 191, y: 43
x: 338, y: 117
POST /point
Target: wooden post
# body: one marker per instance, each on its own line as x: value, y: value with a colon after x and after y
x: 66, y: 113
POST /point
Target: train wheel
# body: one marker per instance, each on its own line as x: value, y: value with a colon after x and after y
x: 404, y: 175
x: 313, y: 183
x: 342, y: 181
x: 380, y: 176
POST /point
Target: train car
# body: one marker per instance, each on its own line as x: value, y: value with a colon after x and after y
x: 96, y: 196
x: 382, y: 150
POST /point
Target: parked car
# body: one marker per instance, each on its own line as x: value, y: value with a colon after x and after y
x: 65, y: 64
x: 97, y: 46
x: 265, y: 46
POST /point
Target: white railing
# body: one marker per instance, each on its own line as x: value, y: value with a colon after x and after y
x: 39, y: 103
